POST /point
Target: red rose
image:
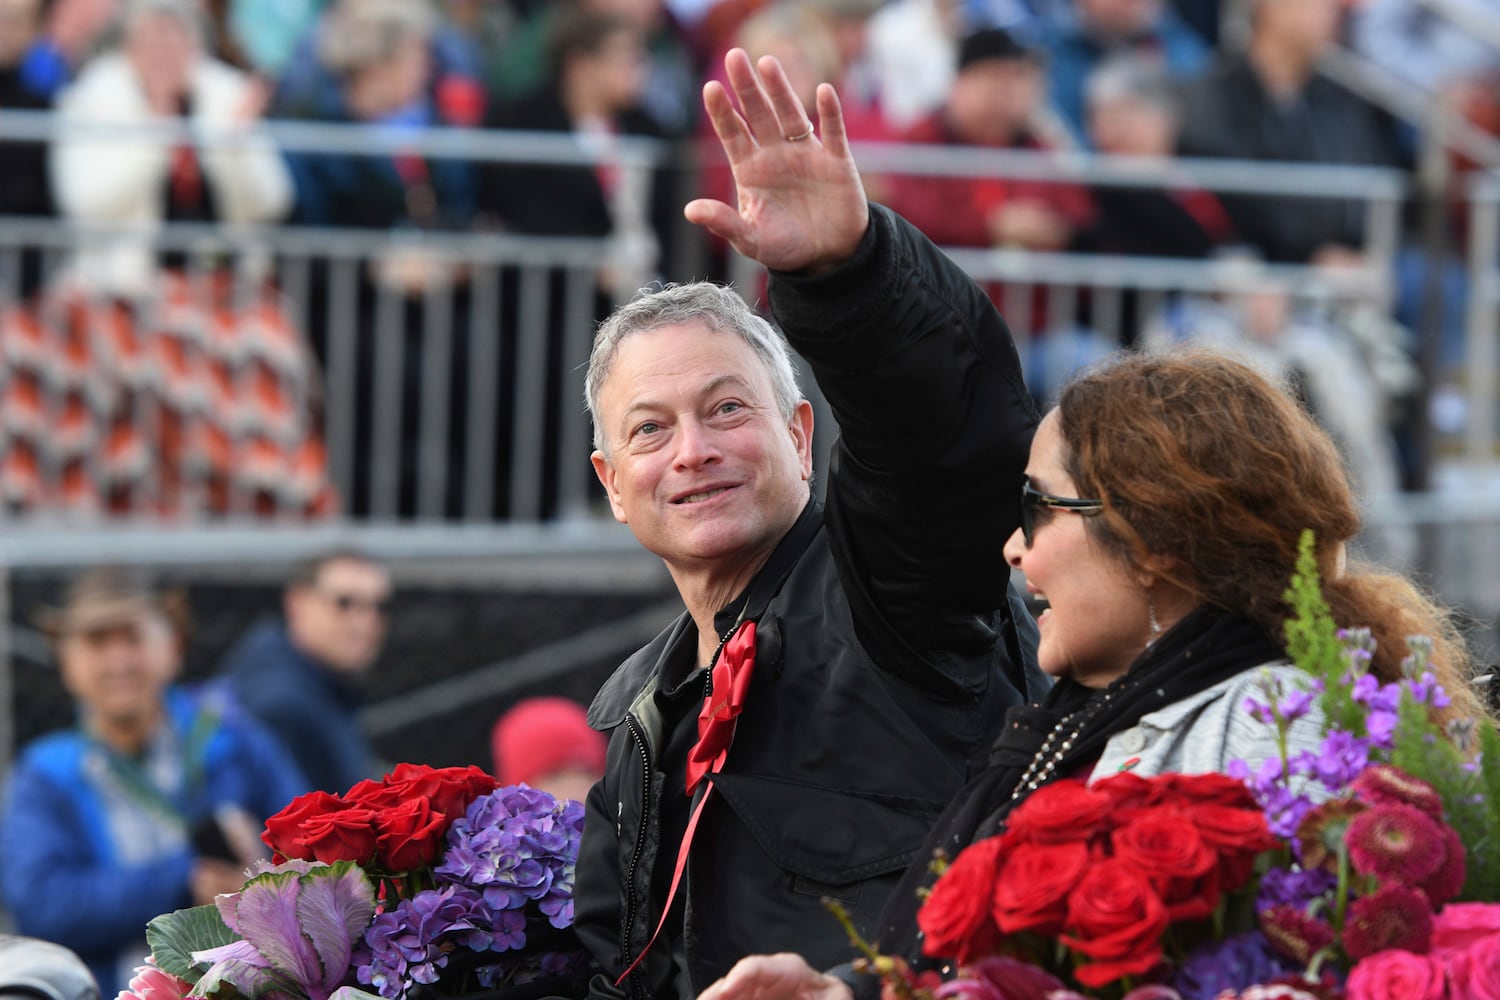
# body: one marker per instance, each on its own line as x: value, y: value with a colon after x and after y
x: 1031, y: 892
x: 410, y: 835
x: 345, y: 835
x: 448, y: 789
x: 1165, y: 846
x: 1116, y: 919
x: 1237, y: 836
x: 955, y: 921
x: 1128, y: 790
x: 283, y: 833
x: 1219, y: 789
x: 375, y: 795
x: 1061, y: 812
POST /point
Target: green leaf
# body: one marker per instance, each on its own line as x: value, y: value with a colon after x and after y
x: 1312, y: 641
x: 175, y: 936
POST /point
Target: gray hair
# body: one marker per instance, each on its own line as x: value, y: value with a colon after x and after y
x: 360, y: 33
x: 187, y: 13
x: 1134, y: 78
x: 714, y: 306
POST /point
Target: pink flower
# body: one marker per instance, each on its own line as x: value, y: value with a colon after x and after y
x: 1448, y: 880
x: 1398, y: 975
x: 1476, y: 972
x: 151, y: 983
x: 1398, y: 842
x: 1459, y: 925
x: 1381, y: 783
x: 1394, y: 916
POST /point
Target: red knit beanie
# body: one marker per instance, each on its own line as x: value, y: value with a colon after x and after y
x: 541, y: 735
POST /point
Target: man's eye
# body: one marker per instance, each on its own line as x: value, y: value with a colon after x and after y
x: 649, y: 427
x: 730, y: 407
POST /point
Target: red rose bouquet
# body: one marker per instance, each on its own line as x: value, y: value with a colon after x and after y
x: 1368, y: 869
x: 429, y: 882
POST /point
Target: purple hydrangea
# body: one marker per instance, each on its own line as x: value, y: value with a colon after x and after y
x: 411, y: 943
x: 1229, y: 965
x: 517, y: 845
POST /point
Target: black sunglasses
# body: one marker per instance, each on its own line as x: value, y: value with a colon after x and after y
x: 1031, y: 499
x: 350, y: 602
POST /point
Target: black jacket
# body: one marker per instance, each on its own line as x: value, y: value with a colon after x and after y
x: 1230, y: 115
x: 888, y: 644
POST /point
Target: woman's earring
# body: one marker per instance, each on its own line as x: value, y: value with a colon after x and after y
x: 1151, y: 612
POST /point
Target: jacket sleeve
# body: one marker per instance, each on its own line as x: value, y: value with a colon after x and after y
x: 935, y: 425
x: 59, y: 889
x: 250, y: 178
x: 107, y: 178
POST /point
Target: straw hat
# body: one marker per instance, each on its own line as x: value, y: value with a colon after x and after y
x: 109, y: 597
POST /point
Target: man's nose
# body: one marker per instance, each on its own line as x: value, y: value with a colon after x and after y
x: 696, y: 445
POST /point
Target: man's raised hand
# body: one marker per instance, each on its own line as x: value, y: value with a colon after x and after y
x: 801, y: 203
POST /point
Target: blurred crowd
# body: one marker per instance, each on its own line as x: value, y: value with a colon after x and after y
x: 1236, y: 79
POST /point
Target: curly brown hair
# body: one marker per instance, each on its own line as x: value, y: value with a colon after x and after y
x: 1209, y: 473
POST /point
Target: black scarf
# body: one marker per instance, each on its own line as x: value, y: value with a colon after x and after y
x: 1206, y: 648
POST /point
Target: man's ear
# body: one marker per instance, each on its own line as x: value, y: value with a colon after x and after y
x: 801, y: 428
x: 605, y: 470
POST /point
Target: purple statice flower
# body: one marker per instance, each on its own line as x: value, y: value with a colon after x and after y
x: 1381, y: 728
x: 1283, y: 705
x: 1261, y: 711
x: 1378, y: 697
x: 1294, y: 887
x: 410, y: 944
x: 1420, y: 655
x: 1359, y: 648
x: 517, y: 845
x: 1340, y: 759
x: 1231, y: 964
x: 1425, y: 690
x: 1283, y: 807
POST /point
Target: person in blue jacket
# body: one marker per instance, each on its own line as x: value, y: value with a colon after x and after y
x: 152, y: 802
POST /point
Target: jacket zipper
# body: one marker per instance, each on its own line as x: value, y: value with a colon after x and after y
x: 640, y: 840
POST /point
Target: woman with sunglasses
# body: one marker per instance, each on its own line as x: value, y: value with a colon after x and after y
x: 1160, y: 519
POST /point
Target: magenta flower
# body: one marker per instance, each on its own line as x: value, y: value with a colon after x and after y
x: 1395, y: 841
x: 1394, y: 916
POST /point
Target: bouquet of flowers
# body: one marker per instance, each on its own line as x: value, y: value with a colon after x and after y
x: 1368, y: 870
x: 427, y: 882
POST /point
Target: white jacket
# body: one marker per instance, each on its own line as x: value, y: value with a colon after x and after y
x: 115, y: 180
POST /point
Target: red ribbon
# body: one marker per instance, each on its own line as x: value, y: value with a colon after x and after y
x: 716, y: 721
x: 726, y: 699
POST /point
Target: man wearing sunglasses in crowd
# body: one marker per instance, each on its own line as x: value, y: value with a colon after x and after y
x: 300, y: 674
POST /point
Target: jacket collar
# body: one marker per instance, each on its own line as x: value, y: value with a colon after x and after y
x: 640, y: 674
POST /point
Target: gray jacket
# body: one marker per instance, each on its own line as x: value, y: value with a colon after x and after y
x: 1206, y: 731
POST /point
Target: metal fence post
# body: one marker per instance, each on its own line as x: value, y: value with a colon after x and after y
x: 1481, y: 352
